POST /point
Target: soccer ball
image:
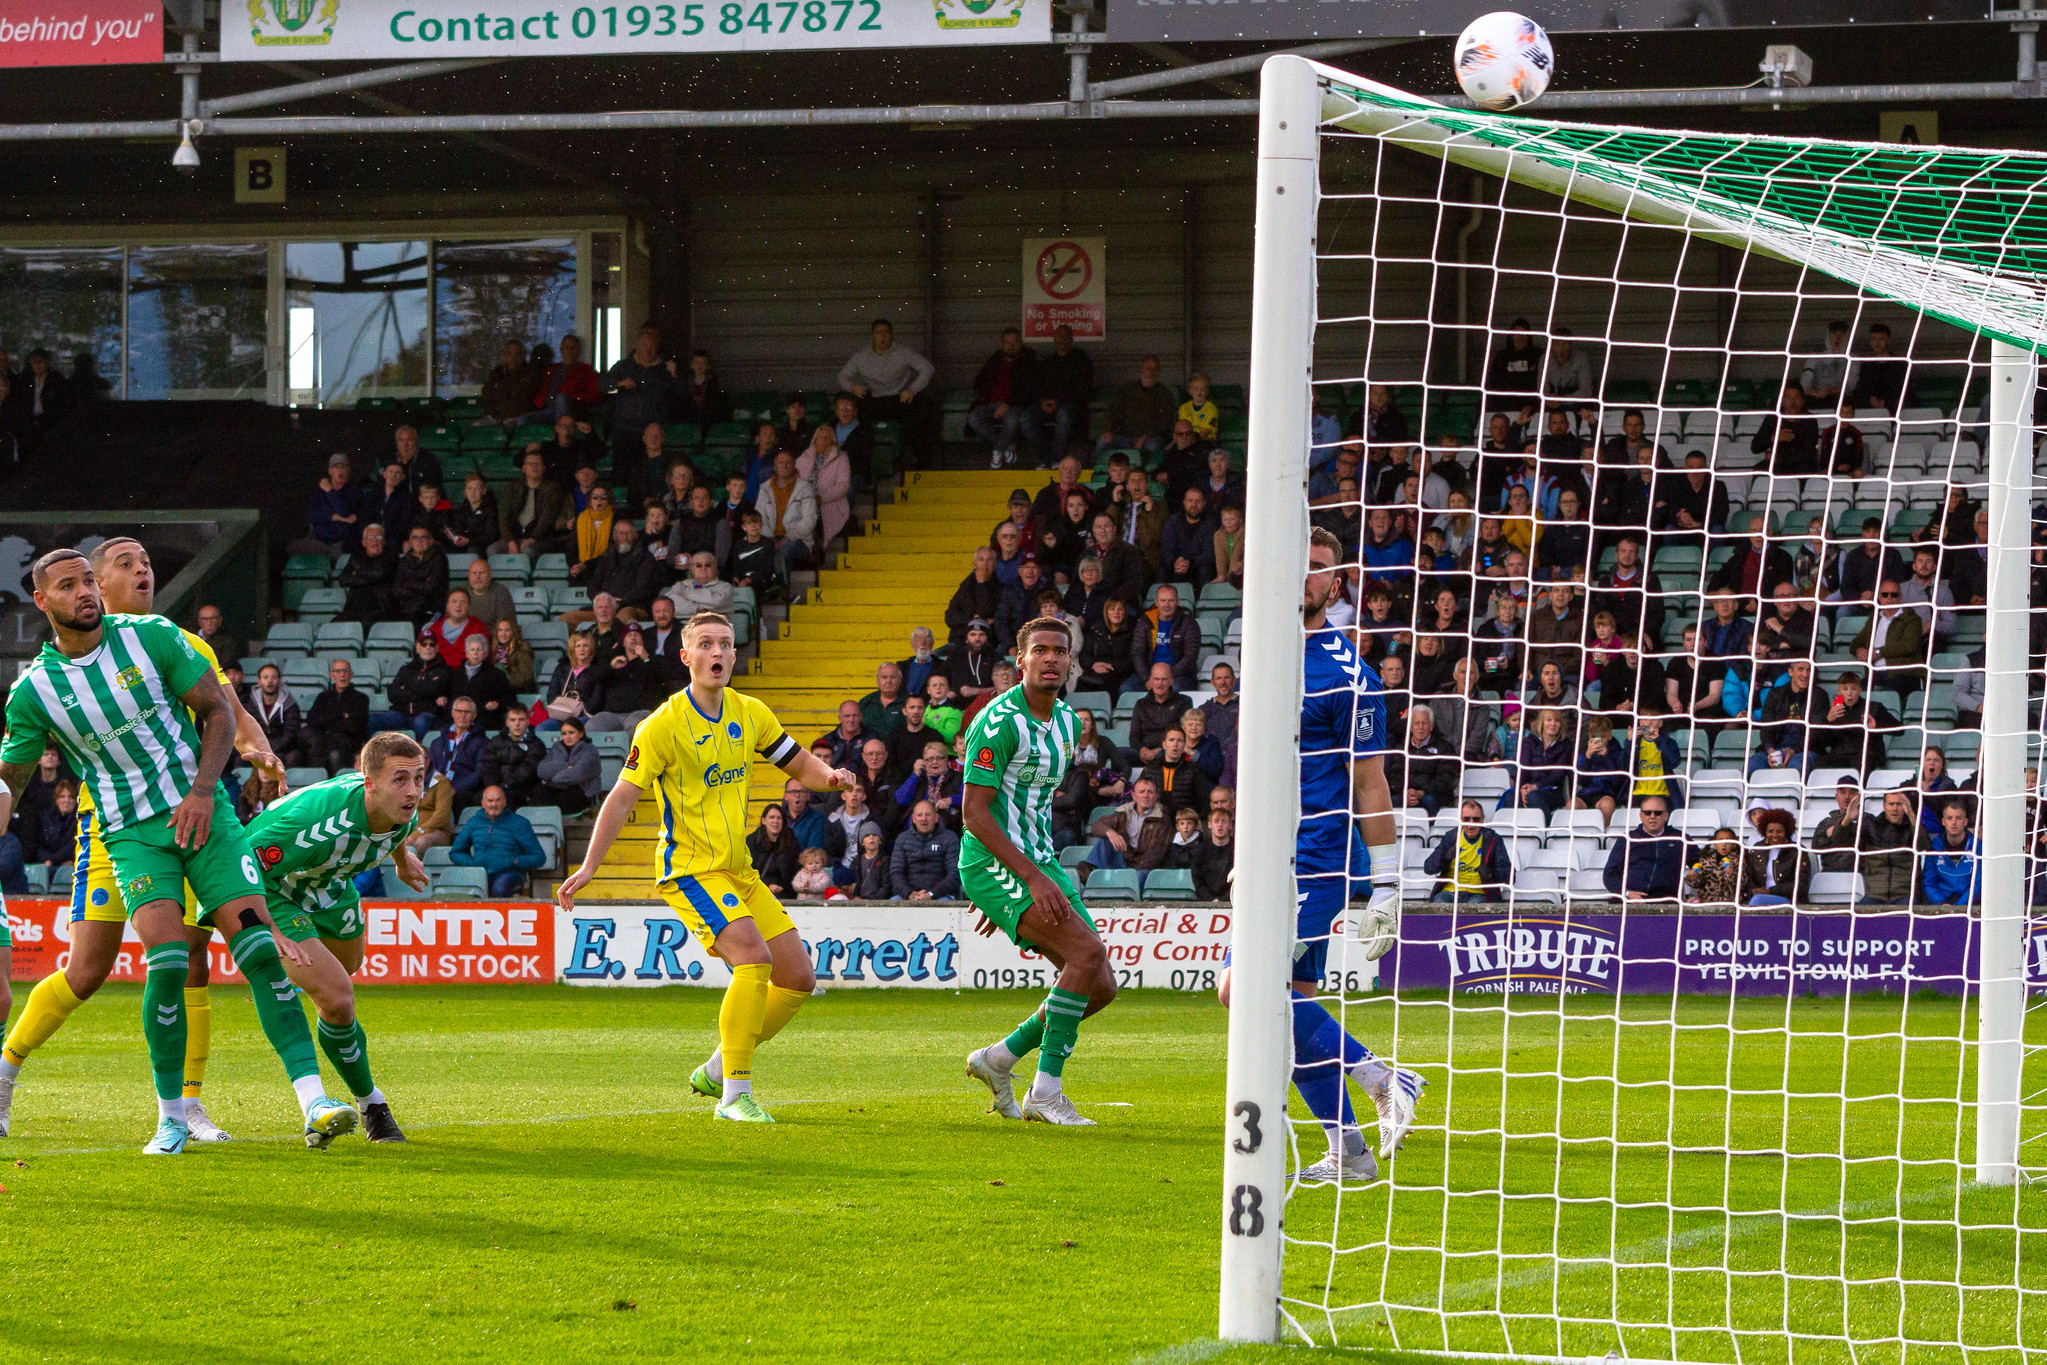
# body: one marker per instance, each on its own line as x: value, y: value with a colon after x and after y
x: 1504, y: 60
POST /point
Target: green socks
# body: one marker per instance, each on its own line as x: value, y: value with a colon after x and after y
x: 163, y: 1016
x: 277, y: 1003
x: 1028, y: 1035
x: 349, y: 1050
x: 1063, y: 1010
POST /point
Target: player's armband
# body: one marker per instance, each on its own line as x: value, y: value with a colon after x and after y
x: 781, y: 751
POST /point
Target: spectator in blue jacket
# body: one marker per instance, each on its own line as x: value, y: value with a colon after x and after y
x: 1472, y: 861
x: 335, y: 513
x: 457, y: 752
x: 1164, y: 635
x: 1952, y: 861
x: 806, y: 822
x: 1648, y: 864
x: 1602, y: 770
x: 926, y: 863
x: 500, y: 842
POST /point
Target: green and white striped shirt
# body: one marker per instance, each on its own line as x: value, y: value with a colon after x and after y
x: 311, y: 844
x: 1024, y: 759
x: 116, y: 715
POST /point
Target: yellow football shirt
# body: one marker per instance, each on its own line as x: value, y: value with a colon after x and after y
x: 698, y: 768
x: 205, y: 651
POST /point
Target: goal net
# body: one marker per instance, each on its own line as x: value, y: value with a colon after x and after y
x: 1684, y: 485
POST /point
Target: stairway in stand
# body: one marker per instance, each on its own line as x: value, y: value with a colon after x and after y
x: 896, y: 577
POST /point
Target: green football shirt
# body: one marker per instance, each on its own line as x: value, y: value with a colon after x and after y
x: 1024, y: 759
x: 311, y: 844
x: 116, y: 715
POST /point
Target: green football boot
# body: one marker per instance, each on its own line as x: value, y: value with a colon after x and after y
x: 743, y: 1109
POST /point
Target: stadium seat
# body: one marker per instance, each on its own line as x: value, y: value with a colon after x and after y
x: 1072, y: 856
x: 526, y: 600
x: 38, y: 877
x: 323, y: 600
x: 441, y: 855
x: 288, y: 635
x: 569, y: 597
x: 1099, y: 813
x: 551, y: 568
x: 460, y: 883
x: 1114, y: 884
x: 609, y: 769
x: 547, y: 827
x: 513, y: 570
x: 1836, y: 888
x: 611, y: 743
x: 1098, y: 702
x: 304, y: 777
x: 305, y: 672
x: 1588, y: 885
x: 391, y: 635
x: 1116, y: 733
x: 546, y: 635
x: 60, y: 879
x: 339, y: 636
x: 1521, y: 821
x: 1168, y: 884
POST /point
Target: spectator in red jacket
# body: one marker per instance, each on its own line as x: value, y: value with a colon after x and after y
x: 453, y: 626
x: 569, y: 386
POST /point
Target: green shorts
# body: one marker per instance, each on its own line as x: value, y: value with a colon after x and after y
x: 998, y: 893
x: 6, y: 936
x: 298, y: 924
x: 150, y: 866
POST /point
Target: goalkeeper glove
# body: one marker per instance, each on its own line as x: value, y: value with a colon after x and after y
x: 1378, y: 928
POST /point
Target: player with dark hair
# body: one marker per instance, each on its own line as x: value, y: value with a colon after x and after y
x: 1017, y: 753
x: 137, y: 712
x: 1343, y: 785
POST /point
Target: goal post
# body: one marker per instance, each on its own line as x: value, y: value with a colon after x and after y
x: 2000, y: 1036
x: 1269, y: 796
x: 1721, y: 1124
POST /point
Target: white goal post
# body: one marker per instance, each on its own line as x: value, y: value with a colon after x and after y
x: 1369, y: 1272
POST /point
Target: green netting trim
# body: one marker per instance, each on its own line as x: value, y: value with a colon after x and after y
x: 1956, y: 233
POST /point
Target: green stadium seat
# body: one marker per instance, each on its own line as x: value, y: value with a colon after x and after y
x: 339, y: 635
x: 325, y: 600
x: 526, y: 600
x: 289, y: 636
x: 610, y: 768
x: 545, y: 635
x: 569, y: 597
x: 304, y: 777
x: 391, y: 634
x: 1220, y: 595
x: 1168, y: 884
x: 1072, y: 856
x: 374, y: 404
x: 1100, y: 703
x: 460, y: 883
x: 758, y: 403
x: 510, y: 568
x: 458, y: 565
x: 1114, y: 884
x: 1099, y: 813
x: 313, y: 568
x: 551, y: 568
x: 611, y: 743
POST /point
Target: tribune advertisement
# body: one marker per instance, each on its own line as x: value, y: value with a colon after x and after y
x: 80, y: 32
x: 328, y: 30
x: 410, y: 942
x: 1481, y: 951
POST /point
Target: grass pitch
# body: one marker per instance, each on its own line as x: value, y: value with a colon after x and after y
x: 565, y: 1197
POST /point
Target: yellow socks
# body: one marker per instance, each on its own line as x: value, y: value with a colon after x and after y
x: 198, y: 1038
x: 740, y: 1021
x: 782, y: 1006
x: 49, y: 1005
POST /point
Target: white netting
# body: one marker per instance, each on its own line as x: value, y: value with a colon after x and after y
x: 1699, y: 1125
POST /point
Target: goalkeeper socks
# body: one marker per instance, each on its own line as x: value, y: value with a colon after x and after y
x: 1319, y: 1041
x: 349, y: 1050
x: 740, y: 1020
x: 163, y: 1023
x: 198, y: 1038
x: 1063, y: 1011
x: 277, y: 1005
x: 45, y: 1011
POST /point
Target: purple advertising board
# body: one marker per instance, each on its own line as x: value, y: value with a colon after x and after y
x: 1490, y: 951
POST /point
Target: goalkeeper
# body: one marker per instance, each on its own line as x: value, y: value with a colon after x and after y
x: 1343, y: 741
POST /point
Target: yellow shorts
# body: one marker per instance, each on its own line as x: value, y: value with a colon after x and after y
x: 709, y: 902
x: 95, y: 891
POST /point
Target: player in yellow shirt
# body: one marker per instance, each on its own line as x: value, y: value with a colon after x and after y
x: 696, y: 753
x: 99, y: 916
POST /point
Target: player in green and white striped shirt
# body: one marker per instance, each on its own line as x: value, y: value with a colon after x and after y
x: 311, y: 845
x: 137, y: 712
x: 1017, y: 753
